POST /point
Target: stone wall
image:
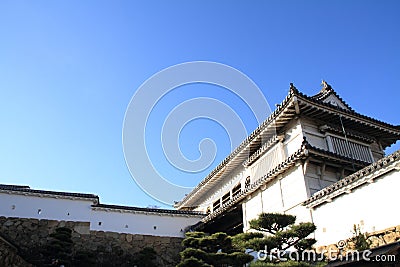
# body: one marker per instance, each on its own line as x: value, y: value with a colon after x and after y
x: 108, y: 248
x: 383, y: 237
x: 9, y: 255
x: 375, y: 239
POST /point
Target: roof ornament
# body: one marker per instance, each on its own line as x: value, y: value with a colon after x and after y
x: 292, y: 88
x: 325, y: 85
x: 305, y: 143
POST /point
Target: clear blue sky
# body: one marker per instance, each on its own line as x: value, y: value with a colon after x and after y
x: 68, y: 70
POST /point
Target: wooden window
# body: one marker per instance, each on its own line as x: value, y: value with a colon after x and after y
x: 236, y: 190
x: 226, y: 198
x: 216, y: 205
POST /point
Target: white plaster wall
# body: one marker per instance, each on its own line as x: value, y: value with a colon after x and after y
x: 251, y: 208
x: 293, y: 188
x: 24, y: 206
x: 301, y: 212
x: 254, y: 205
x: 313, y: 135
x: 290, y: 188
x: 271, y: 197
x: 293, y: 138
x: 373, y: 206
x: 140, y: 223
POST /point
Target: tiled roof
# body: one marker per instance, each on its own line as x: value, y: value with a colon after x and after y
x: 353, y: 180
x: 27, y: 189
x: 149, y: 210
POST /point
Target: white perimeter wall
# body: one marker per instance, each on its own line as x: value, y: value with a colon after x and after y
x: 26, y: 206
x: 373, y: 206
x: 61, y: 209
x: 145, y: 224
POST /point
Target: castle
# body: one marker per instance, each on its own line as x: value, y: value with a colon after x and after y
x: 313, y: 157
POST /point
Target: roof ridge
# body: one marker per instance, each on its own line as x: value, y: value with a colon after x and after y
x: 27, y: 189
x: 159, y: 210
x: 14, y: 186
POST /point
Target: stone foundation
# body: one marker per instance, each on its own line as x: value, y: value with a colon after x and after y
x: 383, y: 237
x: 376, y: 239
x: 108, y: 248
x: 9, y: 255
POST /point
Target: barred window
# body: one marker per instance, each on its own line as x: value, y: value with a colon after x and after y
x: 349, y: 149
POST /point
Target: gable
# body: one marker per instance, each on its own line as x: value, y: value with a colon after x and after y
x: 334, y: 100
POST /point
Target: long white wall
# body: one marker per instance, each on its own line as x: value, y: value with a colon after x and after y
x: 372, y: 206
x: 112, y: 220
x: 39, y: 207
x: 141, y: 223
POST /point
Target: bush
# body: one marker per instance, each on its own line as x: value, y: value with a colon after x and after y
x: 214, y: 250
x: 192, y: 262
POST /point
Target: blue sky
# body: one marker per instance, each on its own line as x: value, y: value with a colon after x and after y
x: 68, y: 70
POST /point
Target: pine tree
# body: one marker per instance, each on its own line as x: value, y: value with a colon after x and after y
x: 214, y: 250
x: 276, y: 231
